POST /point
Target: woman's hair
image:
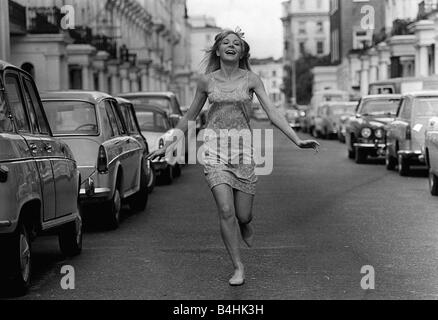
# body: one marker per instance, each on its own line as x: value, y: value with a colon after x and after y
x: 213, y: 62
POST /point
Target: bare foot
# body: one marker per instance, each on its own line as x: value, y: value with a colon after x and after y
x: 239, y: 277
x: 247, y: 234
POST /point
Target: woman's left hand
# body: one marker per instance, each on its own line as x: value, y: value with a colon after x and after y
x: 309, y: 144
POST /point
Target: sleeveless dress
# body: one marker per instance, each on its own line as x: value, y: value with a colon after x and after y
x: 229, y: 153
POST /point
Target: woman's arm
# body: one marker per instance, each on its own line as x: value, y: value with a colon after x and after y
x: 193, y: 113
x: 277, y: 119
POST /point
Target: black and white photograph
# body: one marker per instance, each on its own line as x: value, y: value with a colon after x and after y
x: 236, y: 152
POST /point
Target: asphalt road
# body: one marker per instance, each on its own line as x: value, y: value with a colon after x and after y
x: 319, y: 219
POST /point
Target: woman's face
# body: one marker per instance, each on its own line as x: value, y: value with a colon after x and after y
x: 230, y: 49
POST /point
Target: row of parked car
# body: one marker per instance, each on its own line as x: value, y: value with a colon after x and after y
x: 62, y: 153
x: 402, y: 129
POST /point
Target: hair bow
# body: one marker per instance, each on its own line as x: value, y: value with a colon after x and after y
x: 240, y: 32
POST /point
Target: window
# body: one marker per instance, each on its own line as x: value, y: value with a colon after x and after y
x: 71, y: 117
x: 302, y: 5
x: 118, y: 121
x: 302, y: 48
x: 320, y: 26
x: 34, y: 103
x: 129, y: 120
x: 302, y: 27
x: 5, y: 122
x: 320, y: 47
x: 112, y: 118
x: 16, y: 102
x: 152, y: 121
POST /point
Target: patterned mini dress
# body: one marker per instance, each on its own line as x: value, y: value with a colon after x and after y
x: 228, y: 147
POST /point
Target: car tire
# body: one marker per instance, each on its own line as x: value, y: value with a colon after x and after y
x: 70, y: 238
x: 113, y: 211
x: 177, y: 171
x: 390, y: 161
x: 152, y: 180
x: 139, y: 201
x: 360, y: 156
x: 433, y: 184
x: 166, y: 177
x: 16, y: 268
x: 403, y: 166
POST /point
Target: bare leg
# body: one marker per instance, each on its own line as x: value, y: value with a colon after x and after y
x: 243, y: 203
x: 224, y: 197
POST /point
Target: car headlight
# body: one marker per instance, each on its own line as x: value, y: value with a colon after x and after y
x: 380, y: 133
x: 366, y: 133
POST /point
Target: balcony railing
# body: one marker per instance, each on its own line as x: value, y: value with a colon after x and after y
x: 426, y: 7
x: 84, y: 35
x: 17, y: 18
x: 44, y: 20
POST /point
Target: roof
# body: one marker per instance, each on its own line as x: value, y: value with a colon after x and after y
x: 150, y: 107
x: 87, y: 96
x: 122, y: 100
x: 148, y: 94
x: 340, y: 103
x: 422, y: 94
x: 382, y: 96
x: 4, y: 65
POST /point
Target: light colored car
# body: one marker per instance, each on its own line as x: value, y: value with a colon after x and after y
x: 406, y: 135
x: 127, y: 112
x: 332, y: 116
x: 110, y: 161
x: 39, y: 181
x: 156, y: 126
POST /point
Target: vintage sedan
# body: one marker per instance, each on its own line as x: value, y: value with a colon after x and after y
x: 127, y: 112
x: 329, y: 122
x: 156, y: 127
x: 406, y: 135
x: 39, y: 181
x: 111, y: 162
x: 366, y: 132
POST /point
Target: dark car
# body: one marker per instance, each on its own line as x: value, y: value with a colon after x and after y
x: 127, y: 112
x: 407, y: 134
x: 39, y: 181
x: 366, y: 132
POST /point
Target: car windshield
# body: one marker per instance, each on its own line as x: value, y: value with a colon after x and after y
x: 341, y: 110
x: 71, y: 117
x: 5, y: 122
x: 426, y: 107
x: 161, y: 102
x: 151, y: 121
x: 386, y: 107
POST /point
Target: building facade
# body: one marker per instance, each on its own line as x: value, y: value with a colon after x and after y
x: 306, y: 26
x: 113, y: 46
x: 271, y: 73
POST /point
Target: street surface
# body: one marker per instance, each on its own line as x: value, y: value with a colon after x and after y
x: 319, y: 219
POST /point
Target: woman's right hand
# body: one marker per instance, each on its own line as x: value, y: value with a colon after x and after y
x: 161, y: 153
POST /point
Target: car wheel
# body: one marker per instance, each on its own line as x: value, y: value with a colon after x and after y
x: 114, y: 209
x: 360, y: 156
x: 152, y: 180
x: 70, y: 238
x: 166, y: 177
x: 403, y: 166
x: 139, y: 201
x: 177, y: 171
x: 390, y: 161
x: 16, y: 268
x: 433, y: 184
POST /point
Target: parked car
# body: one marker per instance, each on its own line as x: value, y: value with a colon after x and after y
x: 293, y: 117
x: 156, y: 126
x: 39, y: 181
x: 110, y: 161
x: 127, y: 112
x: 331, y: 118
x: 406, y: 135
x: 366, y: 132
x: 431, y: 154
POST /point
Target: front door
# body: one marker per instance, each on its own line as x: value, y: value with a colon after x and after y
x: 26, y: 124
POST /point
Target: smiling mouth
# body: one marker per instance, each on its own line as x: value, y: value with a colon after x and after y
x: 230, y: 52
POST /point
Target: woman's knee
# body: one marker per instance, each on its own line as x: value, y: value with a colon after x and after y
x: 226, y: 212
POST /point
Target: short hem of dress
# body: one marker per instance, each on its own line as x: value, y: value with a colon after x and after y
x: 232, y: 187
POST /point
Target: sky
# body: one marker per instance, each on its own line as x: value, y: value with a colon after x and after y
x: 259, y: 20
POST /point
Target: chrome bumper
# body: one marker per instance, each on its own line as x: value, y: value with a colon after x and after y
x: 418, y: 155
x: 370, y: 145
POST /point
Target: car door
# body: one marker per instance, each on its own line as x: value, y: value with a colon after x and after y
x: 63, y: 166
x: 396, y: 130
x: 132, y: 155
x: 27, y: 126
